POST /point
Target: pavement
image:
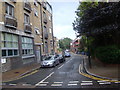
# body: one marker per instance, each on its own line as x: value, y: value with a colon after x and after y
x: 16, y: 73
x: 98, y: 69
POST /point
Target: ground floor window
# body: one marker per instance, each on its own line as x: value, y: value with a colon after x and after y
x: 9, y: 44
x: 27, y: 46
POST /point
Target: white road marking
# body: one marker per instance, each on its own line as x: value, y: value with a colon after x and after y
x: 73, y: 81
x: 26, y: 84
x: 58, y: 82
x: 12, y: 84
x: 86, y: 83
x: 41, y: 85
x: 45, y: 78
x: 105, y: 83
x: 72, y: 84
x: 44, y: 82
x: 61, y: 66
x: 56, y: 85
x: 117, y: 82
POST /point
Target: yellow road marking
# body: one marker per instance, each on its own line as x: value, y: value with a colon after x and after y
x: 95, y: 78
x: 22, y: 76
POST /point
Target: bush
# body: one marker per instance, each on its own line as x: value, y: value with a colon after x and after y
x: 108, y: 54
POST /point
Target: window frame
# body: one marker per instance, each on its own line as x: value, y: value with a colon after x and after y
x: 30, y: 51
x: 6, y: 48
x: 7, y: 9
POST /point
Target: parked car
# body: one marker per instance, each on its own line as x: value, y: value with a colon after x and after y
x: 61, y: 58
x: 67, y: 54
x: 50, y: 61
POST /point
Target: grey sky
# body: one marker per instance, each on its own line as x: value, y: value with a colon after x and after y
x: 63, y: 16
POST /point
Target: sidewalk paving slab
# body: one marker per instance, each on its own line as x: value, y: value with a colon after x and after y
x: 16, y: 73
x: 108, y: 71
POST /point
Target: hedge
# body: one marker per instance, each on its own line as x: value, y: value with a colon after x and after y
x: 108, y: 54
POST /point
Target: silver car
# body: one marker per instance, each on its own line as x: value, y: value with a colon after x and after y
x: 50, y: 61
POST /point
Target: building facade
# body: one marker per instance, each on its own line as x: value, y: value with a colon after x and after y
x: 75, y: 45
x: 23, y: 34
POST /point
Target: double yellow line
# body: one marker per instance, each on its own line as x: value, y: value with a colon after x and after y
x: 95, y: 78
x: 21, y: 76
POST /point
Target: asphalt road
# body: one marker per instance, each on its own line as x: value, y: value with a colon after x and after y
x: 64, y: 75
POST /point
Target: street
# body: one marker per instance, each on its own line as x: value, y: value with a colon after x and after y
x: 64, y: 75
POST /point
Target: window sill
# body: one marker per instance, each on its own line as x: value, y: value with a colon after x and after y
x: 30, y: 56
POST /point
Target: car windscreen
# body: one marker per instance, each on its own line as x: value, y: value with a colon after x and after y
x: 49, y: 58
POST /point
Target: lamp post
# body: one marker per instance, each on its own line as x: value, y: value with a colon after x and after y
x: 89, y: 59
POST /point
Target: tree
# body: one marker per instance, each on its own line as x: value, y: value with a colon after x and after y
x: 65, y: 43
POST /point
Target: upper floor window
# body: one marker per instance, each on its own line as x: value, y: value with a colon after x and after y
x: 9, y: 9
x: 26, y: 18
x: 35, y: 12
x: 35, y: 3
x: 44, y: 15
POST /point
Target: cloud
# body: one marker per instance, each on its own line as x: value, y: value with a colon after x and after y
x: 64, y: 31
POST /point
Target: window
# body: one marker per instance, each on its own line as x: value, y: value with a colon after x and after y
x: 9, y: 10
x: 37, y: 31
x: 50, y: 30
x: 27, y: 46
x: 35, y: 3
x: 9, y: 44
x: 35, y: 12
x: 44, y: 15
x: 26, y: 18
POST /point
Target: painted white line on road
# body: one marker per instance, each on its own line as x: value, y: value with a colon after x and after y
x: 86, y: 83
x: 72, y: 84
x: 41, y: 85
x: 44, y: 82
x: 45, y: 78
x: 105, y: 83
x: 26, y: 84
x: 117, y: 82
x: 56, y: 85
x: 61, y: 66
x: 58, y: 82
x: 73, y: 81
x: 12, y: 84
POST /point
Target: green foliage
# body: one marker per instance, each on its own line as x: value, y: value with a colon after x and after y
x: 65, y: 43
x: 59, y: 49
x: 108, y: 54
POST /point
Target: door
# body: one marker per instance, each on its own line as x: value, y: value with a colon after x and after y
x: 38, y: 56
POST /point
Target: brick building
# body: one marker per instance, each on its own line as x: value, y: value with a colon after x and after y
x: 26, y: 32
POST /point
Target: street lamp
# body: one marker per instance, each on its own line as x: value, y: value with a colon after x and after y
x: 88, y: 46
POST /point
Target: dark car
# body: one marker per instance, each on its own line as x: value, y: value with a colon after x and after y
x: 61, y: 58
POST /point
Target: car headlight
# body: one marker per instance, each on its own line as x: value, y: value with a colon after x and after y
x: 50, y: 63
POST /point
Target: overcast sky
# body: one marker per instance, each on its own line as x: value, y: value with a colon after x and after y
x: 63, y: 16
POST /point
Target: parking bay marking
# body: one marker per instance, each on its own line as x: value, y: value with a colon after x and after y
x: 56, y: 85
x: 86, y: 83
x: 44, y: 79
x: 61, y: 66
